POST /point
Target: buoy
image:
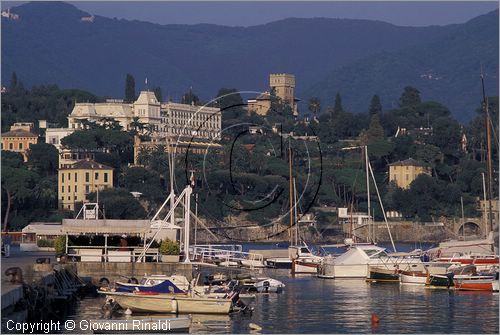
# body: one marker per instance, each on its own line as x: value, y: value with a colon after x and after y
x: 254, y: 326
x: 375, y: 318
x: 128, y: 312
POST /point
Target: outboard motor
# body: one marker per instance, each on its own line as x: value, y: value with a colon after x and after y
x: 450, y: 276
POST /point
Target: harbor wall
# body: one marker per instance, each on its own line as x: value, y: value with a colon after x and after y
x: 402, y: 231
x: 406, y: 232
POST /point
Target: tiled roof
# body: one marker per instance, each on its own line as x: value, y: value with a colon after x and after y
x: 19, y: 133
x: 86, y: 164
x: 408, y: 162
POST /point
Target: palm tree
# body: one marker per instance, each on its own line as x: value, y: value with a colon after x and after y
x: 314, y: 106
x: 136, y: 125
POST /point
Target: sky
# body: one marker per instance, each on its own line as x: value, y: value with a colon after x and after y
x: 403, y: 13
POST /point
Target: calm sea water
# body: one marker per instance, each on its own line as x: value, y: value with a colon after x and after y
x: 314, y: 305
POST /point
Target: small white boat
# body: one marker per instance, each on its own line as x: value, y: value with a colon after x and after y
x: 356, y: 261
x: 269, y: 285
x: 413, y: 277
x: 279, y: 263
x: 303, y: 260
x: 305, y: 266
x: 142, y: 326
x: 152, y: 302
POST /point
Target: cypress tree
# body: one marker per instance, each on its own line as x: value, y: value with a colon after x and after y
x: 375, y: 105
x: 337, y: 108
x: 129, y: 88
x: 13, y: 81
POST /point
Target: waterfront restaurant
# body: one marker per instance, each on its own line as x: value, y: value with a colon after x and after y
x: 97, y: 235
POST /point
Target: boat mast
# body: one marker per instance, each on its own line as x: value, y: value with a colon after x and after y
x: 485, y: 220
x: 489, y: 224
x: 370, y: 222
x: 291, y: 194
x: 295, y: 212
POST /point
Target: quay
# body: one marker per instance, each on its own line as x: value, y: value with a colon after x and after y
x: 13, y: 293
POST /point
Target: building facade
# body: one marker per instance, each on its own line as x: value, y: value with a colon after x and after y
x: 192, y: 121
x: 98, y: 112
x: 77, y: 180
x: 403, y: 173
x: 55, y: 135
x: 283, y: 85
x: 163, y: 119
x: 19, y: 139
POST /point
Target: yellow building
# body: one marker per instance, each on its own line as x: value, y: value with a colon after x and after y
x: 19, y: 139
x: 404, y: 172
x: 81, y: 178
x: 283, y: 85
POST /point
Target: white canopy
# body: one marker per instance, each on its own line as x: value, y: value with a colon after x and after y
x: 43, y: 228
x: 105, y: 226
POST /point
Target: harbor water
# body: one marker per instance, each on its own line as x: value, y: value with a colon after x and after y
x: 314, y: 305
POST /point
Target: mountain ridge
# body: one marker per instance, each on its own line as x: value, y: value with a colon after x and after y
x: 203, y: 56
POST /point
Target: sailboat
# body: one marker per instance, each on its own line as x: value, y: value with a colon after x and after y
x: 363, y: 260
x: 480, y: 252
x: 300, y: 258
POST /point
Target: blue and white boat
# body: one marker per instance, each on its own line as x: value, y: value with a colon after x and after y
x: 156, y: 284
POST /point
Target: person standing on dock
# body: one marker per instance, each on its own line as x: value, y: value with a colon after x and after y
x: 7, y: 241
x: 123, y: 243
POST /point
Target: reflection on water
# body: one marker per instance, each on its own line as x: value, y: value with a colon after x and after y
x: 313, y: 305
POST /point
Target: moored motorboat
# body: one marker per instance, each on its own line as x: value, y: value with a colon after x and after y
x: 305, y: 266
x: 356, y: 261
x: 303, y: 260
x: 278, y: 263
x: 152, y: 302
x: 474, y: 283
x: 269, y: 285
x: 448, y: 280
x: 383, y: 275
x: 153, y: 283
x: 413, y: 277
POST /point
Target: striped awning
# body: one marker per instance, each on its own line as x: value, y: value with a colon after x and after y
x: 105, y: 226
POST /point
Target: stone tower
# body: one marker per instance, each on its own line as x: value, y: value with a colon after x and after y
x: 284, y: 86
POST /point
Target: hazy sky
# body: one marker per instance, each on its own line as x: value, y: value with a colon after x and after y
x: 414, y: 13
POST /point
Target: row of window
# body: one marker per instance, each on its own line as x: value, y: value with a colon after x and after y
x: 396, y: 177
x: 87, y: 190
x: 87, y: 176
x: 20, y: 146
x: 397, y: 167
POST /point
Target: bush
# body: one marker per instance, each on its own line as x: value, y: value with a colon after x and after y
x: 45, y: 243
x: 168, y: 247
x: 60, y: 244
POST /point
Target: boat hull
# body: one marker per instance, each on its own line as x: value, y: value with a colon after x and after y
x: 279, y: 263
x: 383, y: 275
x: 474, y: 283
x: 304, y: 267
x: 166, y: 303
x: 439, y: 281
x: 413, y: 278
